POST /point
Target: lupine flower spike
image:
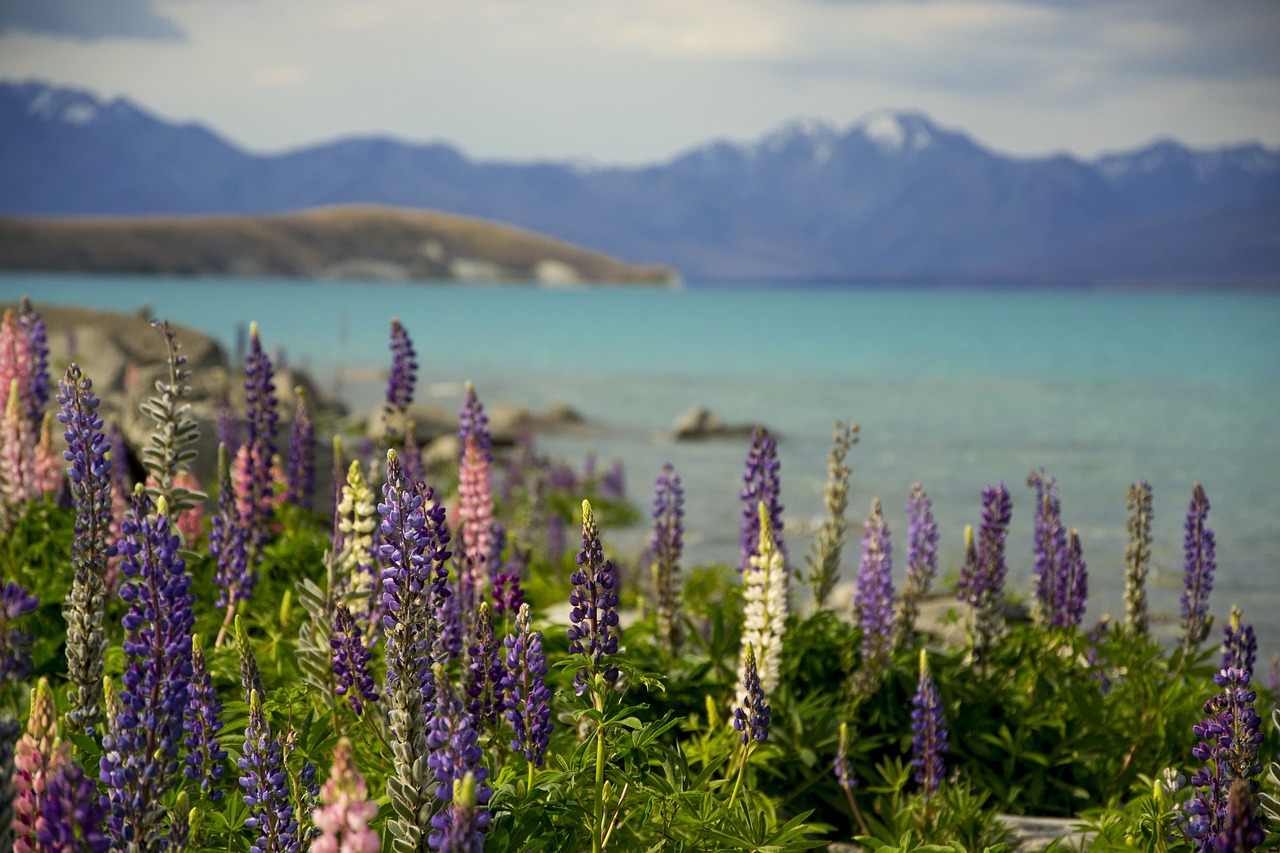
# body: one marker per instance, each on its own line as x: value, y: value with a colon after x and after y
x: 922, y: 561
x: 229, y: 547
x: 873, y: 601
x: 1198, y: 574
x: 259, y: 447
x: 266, y: 786
x: 526, y: 696
x: 39, y: 753
x: 751, y: 713
x: 38, y: 352
x: 761, y: 483
x: 89, y: 473
x: 71, y: 813
x: 401, y: 382
x: 455, y: 758
x: 764, y: 607
x: 206, y: 761
x: 343, y: 819
x: 1050, y: 545
x: 594, y: 608
x: 48, y: 462
x: 475, y: 528
x: 667, y: 544
x: 1137, y: 558
x: 981, y: 582
x: 301, y: 477
x: 484, y: 673
x: 17, y: 460
x: 824, y: 561
x: 350, y: 661
x: 928, y: 732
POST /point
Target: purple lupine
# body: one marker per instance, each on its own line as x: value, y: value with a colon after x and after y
x: 1050, y: 546
x: 233, y: 575
x: 140, y: 757
x: 507, y: 593
x: 38, y: 348
x: 266, y: 786
x: 594, y: 608
x: 1230, y: 736
x: 526, y: 695
x: 472, y: 421
x: 928, y: 732
x: 1198, y: 574
x: 350, y: 661
x: 484, y: 673
x: 206, y: 761
x: 15, y: 643
x: 226, y: 428
x: 751, y: 712
x: 1071, y: 588
x: 411, y: 458
x: 842, y: 766
x: 761, y: 482
x: 300, y: 480
x: 70, y: 813
x: 452, y: 625
x: 260, y: 438
x: 460, y: 827
x: 1242, y: 832
x: 90, y: 476
x: 404, y: 370
x: 1239, y: 644
x: 455, y: 755
x: 873, y: 592
x: 922, y: 560
x: 981, y: 582
x: 666, y: 547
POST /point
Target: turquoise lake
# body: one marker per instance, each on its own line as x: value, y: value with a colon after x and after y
x: 957, y: 388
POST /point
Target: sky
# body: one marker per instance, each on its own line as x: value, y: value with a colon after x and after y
x: 637, y: 81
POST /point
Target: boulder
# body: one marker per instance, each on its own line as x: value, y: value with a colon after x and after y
x: 700, y: 423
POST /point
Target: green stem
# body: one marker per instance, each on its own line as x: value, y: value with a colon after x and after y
x: 528, y: 785
x: 742, y: 769
x: 597, y: 829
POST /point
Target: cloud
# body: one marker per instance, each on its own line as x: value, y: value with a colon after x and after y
x: 89, y: 20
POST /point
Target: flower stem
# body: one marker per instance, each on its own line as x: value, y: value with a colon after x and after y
x: 597, y: 829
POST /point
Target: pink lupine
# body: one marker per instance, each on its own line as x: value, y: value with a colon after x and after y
x: 15, y: 361
x: 344, y: 818
x: 38, y: 754
x: 17, y: 459
x: 48, y: 461
x: 475, y: 524
x: 189, y: 521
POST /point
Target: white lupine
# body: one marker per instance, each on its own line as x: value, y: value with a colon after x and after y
x: 764, y: 593
x: 356, y: 520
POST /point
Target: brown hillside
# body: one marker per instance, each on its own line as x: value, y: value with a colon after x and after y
x: 350, y: 242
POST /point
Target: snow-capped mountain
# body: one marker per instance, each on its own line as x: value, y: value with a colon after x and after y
x: 891, y: 197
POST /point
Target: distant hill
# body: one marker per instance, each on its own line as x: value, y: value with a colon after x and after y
x: 892, y: 198
x: 354, y: 242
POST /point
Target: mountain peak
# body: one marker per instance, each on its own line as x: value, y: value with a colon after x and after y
x: 897, y: 132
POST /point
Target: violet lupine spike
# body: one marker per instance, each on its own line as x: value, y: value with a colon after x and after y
x: 1239, y: 643
x: 922, y: 561
x: 666, y: 547
x: 751, y: 712
x: 301, y: 477
x: 350, y: 661
x: 250, y: 674
x: 484, y: 673
x: 873, y: 594
x: 474, y: 528
x: 525, y: 693
x: 460, y: 827
x: 928, y: 732
x: 206, y: 761
x: 474, y: 423
x: 981, y: 582
x: 260, y: 441
x: 594, y: 608
x: 1198, y: 573
x: 343, y: 818
x: 15, y: 642
x: 1230, y: 737
x: 1137, y: 557
x: 38, y: 388
x: 507, y: 590
x: 1242, y: 831
x: 228, y: 543
x: 90, y: 475
x: 761, y: 482
x: 1049, y: 543
x: 1071, y: 589
x: 71, y: 813
x: 455, y: 756
x: 140, y: 760
x: 266, y: 786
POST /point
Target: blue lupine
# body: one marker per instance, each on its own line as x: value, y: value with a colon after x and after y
x: 873, y: 591
x: 928, y: 732
x: 666, y: 547
x: 15, y: 643
x: 140, y: 757
x: 300, y: 486
x: 404, y: 370
x: 455, y: 755
x: 761, y: 482
x: 1050, y: 545
x: 350, y: 661
x: 228, y: 541
x: 38, y: 347
x: 1230, y: 737
x: 594, y: 607
x: 472, y: 421
x: 751, y: 713
x: 982, y: 577
x: 1239, y: 644
x: 484, y: 672
x: 1198, y: 573
x: 922, y: 560
x: 70, y: 813
x: 260, y: 438
x: 1071, y: 589
x: 459, y: 828
x: 266, y: 786
x: 526, y: 695
x: 206, y: 761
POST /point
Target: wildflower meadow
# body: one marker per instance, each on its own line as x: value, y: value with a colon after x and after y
x: 428, y: 660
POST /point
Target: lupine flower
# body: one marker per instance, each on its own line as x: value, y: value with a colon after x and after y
x: 344, y: 818
x: 1242, y: 832
x: 981, y: 582
x: 301, y: 478
x: 507, y: 593
x: 751, y: 712
x: 356, y: 516
x: 1137, y: 557
x: 764, y: 608
x: 266, y: 786
x: 526, y: 696
x: 70, y: 813
x: 17, y: 461
x: 922, y: 560
x: 475, y: 527
x: 404, y: 370
x: 206, y: 761
x: 1198, y: 575
x: 350, y: 660
x: 15, y: 643
x: 824, y: 561
x: 1071, y: 589
x: 455, y: 757
x: 40, y: 751
x: 226, y: 428
x: 761, y: 483
x: 873, y: 593
x: 250, y: 674
x: 594, y: 607
x: 928, y: 732
x: 666, y: 546
x: 1050, y: 545
x: 452, y: 625
x: 473, y: 422
x: 1230, y: 736
x: 459, y: 828
x: 140, y: 757
x: 9, y: 731
x: 260, y: 399
x: 228, y: 541
x: 1239, y: 644
x: 38, y: 351
x: 15, y: 365
x: 842, y: 767
x: 90, y: 475
x: 414, y: 472
x: 48, y: 461
x: 484, y: 672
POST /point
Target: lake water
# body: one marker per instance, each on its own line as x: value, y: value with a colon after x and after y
x: 955, y: 387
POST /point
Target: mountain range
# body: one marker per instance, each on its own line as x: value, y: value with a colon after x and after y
x: 893, y: 198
